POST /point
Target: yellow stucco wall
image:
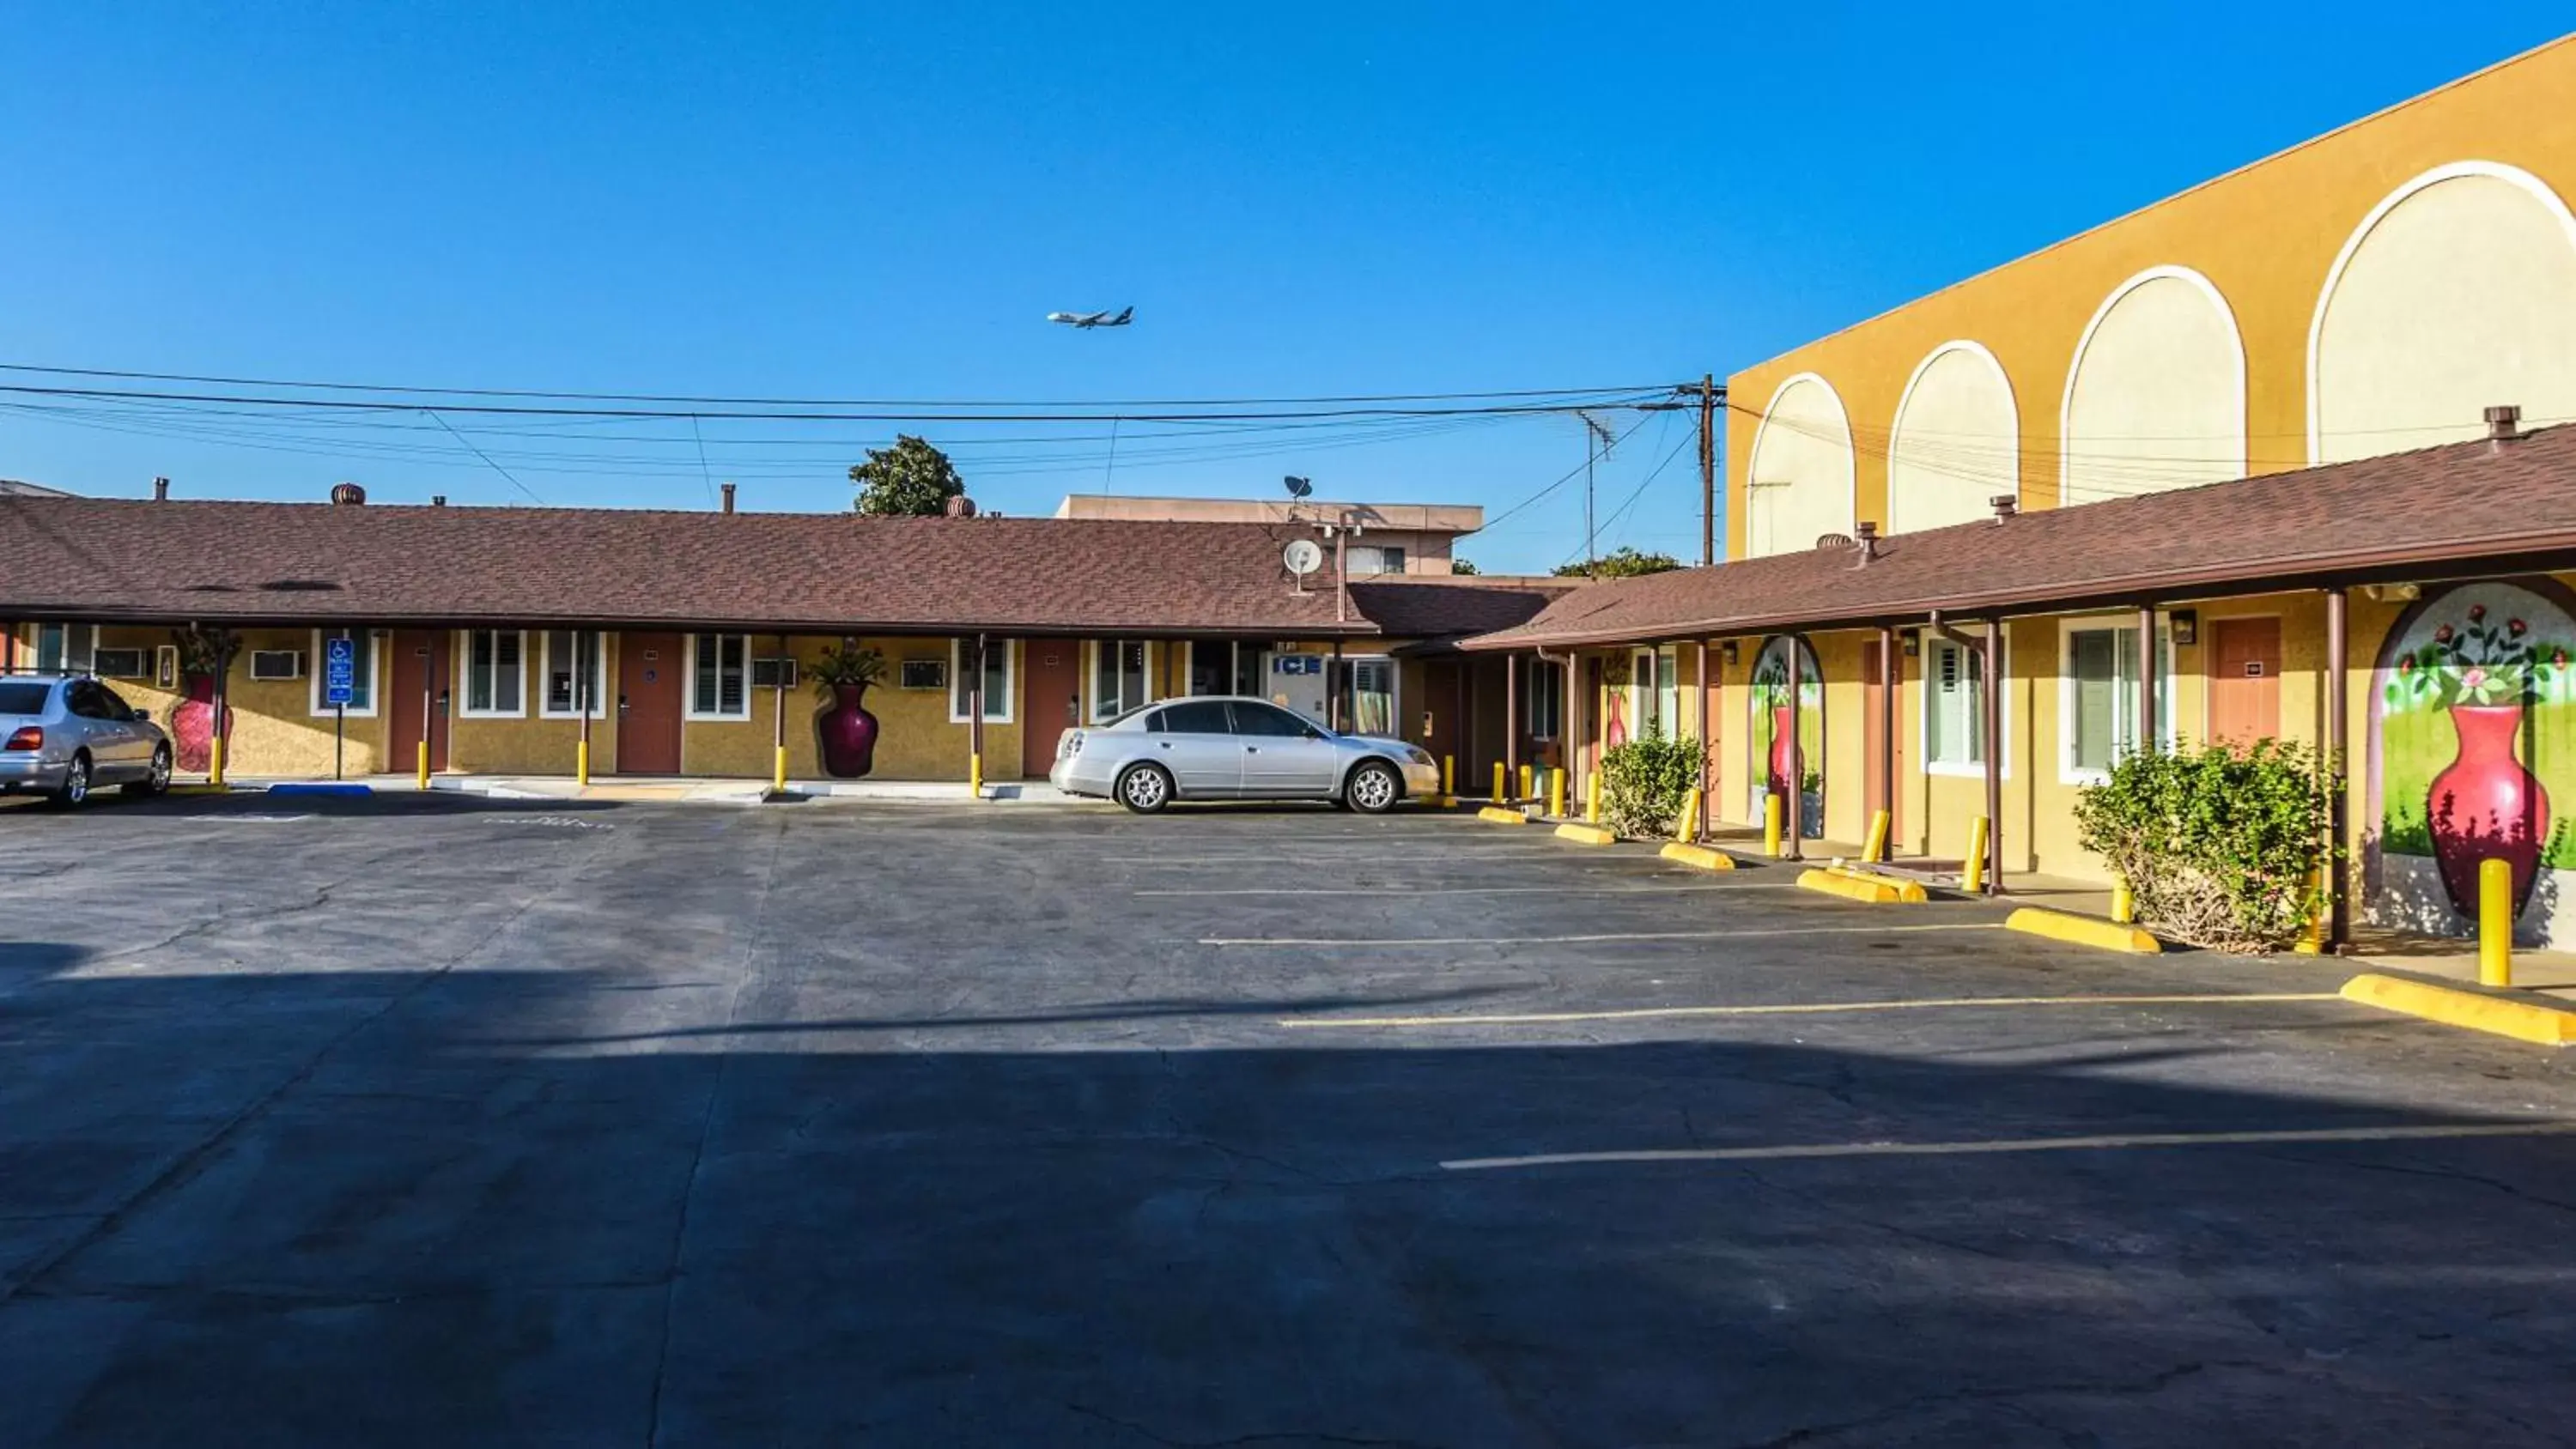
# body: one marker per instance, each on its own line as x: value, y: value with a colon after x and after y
x: 2266, y: 237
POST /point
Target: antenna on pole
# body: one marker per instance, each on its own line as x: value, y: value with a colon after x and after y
x: 1597, y: 439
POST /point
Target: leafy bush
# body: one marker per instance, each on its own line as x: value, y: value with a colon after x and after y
x: 2221, y: 847
x: 1644, y: 781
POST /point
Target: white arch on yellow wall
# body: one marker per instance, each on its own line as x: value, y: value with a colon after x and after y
x: 1989, y: 464
x: 2234, y: 453
x: 1815, y: 507
x: 2515, y: 176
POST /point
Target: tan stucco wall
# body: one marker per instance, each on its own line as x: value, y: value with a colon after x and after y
x: 2266, y: 237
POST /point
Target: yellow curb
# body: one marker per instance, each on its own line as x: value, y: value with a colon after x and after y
x: 1852, y: 886
x: 1587, y: 834
x: 1501, y: 816
x: 2452, y: 1006
x: 199, y: 790
x: 2084, y: 931
x: 1910, y: 892
x: 1705, y: 857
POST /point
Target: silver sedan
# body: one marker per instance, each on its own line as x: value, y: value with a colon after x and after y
x: 1234, y: 748
x: 62, y: 734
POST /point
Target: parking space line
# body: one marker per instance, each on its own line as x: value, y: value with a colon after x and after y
x: 1400, y: 942
x: 1575, y: 890
x: 1801, y: 1008
x: 2395, y: 1132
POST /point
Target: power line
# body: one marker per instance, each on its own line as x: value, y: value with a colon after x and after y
x: 479, y: 453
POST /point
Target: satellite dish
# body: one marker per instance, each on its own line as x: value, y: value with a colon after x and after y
x: 1302, y: 556
x: 1298, y: 487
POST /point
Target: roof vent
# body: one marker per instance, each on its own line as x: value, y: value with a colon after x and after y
x: 2504, y: 423
x: 1834, y: 542
x: 728, y: 497
x: 1865, y: 533
x: 438, y: 500
x: 348, y: 493
x: 160, y: 490
x: 959, y: 506
x: 2005, y: 506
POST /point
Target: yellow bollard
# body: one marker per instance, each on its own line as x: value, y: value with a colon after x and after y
x: 215, y: 763
x: 2312, y: 936
x: 1528, y: 783
x: 1592, y: 799
x: 422, y: 771
x: 1688, y: 827
x: 1973, y: 879
x: 1771, y: 825
x: 1874, y: 850
x: 2124, y: 902
x: 778, y: 770
x: 580, y: 761
x: 1449, y: 777
x: 1499, y: 787
x: 1556, y: 792
x: 2495, y: 923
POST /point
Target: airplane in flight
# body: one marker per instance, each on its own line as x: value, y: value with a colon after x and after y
x: 1089, y: 320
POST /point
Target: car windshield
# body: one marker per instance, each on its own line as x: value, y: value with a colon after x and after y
x: 23, y: 696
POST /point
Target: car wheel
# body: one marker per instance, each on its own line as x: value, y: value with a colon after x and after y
x: 75, y: 787
x: 1144, y: 789
x: 159, y: 780
x: 1372, y: 788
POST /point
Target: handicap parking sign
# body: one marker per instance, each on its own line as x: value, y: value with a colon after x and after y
x: 339, y: 671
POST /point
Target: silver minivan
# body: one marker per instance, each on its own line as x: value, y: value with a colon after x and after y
x: 60, y: 735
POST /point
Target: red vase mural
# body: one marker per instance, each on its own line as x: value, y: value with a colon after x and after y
x: 192, y: 725
x: 1788, y: 763
x: 2487, y: 805
x: 847, y: 733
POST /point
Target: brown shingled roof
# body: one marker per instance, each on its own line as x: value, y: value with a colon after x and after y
x: 2509, y: 505
x: 96, y: 558
x: 1431, y: 607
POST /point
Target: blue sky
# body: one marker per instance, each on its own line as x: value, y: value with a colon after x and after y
x: 881, y: 200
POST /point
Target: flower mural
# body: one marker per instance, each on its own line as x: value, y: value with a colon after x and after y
x: 2474, y: 732
x: 1776, y: 763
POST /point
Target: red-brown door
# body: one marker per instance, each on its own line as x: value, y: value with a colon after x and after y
x: 1874, y: 794
x: 418, y: 696
x: 2244, y: 680
x: 1054, y: 703
x: 649, y: 670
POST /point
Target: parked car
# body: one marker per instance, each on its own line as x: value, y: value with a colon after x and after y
x: 1232, y: 748
x: 63, y: 735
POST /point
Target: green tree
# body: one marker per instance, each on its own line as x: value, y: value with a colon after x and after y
x: 1623, y: 562
x: 910, y: 480
x: 1461, y: 566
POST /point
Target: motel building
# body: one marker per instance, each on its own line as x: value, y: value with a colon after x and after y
x: 2284, y: 455
x: 508, y: 642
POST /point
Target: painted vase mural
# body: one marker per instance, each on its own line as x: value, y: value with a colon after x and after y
x: 192, y: 725
x: 1787, y: 761
x: 845, y: 733
x: 1782, y: 765
x: 2473, y: 724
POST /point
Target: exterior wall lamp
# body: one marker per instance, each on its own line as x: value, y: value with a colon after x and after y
x: 2186, y: 625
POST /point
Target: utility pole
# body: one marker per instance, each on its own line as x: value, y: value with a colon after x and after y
x: 1707, y: 469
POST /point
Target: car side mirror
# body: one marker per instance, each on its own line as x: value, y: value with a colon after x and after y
x: 138, y: 716
x: 1313, y: 733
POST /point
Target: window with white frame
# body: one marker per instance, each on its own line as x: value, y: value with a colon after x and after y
x: 496, y: 674
x: 1655, y: 682
x: 66, y: 648
x: 573, y: 672
x: 362, y: 671
x: 1367, y: 559
x: 2098, y: 697
x: 997, y: 681
x: 1543, y: 700
x: 1954, y: 709
x: 1372, y: 694
x: 719, y: 676
x: 1121, y: 676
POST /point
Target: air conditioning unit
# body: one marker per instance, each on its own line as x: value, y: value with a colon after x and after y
x: 925, y: 674
x: 117, y: 663
x: 277, y: 664
x: 774, y: 673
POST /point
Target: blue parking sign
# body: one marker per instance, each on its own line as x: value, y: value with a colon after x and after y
x: 339, y: 671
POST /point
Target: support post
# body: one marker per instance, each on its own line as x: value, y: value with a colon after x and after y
x: 2148, y: 679
x: 975, y: 721
x: 428, y: 708
x: 1333, y: 682
x: 1462, y: 735
x: 1992, y: 694
x: 585, y: 658
x: 1707, y: 743
x: 1891, y: 675
x: 2338, y: 746
x: 778, y: 721
x: 1797, y: 782
x: 1512, y: 715
x: 222, y: 736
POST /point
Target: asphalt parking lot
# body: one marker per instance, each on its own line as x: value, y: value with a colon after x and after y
x: 457, y: 1121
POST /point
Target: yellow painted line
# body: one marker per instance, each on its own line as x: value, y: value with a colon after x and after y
x: 2084, y: 931
x: 2528, y: 1021
x: 1557, y: 890
x: 1803, y: 1008
x: 1396, y: 942
x: 1587, y: 834
x: 1703, y: 857
x: 2405, y: 1132
x: 1500, y: 816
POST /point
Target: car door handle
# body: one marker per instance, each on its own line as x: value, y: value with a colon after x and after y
x: 1252, y: 749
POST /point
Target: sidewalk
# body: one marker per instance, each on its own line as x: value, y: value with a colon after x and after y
x: 699, y: 790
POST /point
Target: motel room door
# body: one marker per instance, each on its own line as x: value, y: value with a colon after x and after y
x: 2244, y: 679
x: 649, y: 668
x: 1872, y: 740
x: 1054, y: 704
x: 420, y: 662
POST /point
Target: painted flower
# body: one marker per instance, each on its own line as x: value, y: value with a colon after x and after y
x: 2477, y: 612
x: 2406, y: 665
x: 2473, y: 678
x: 2517, y: 627
x: 2558, y: 660
x: 2443, y: 634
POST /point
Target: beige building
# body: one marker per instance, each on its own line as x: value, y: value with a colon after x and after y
x: 1385, y: 538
